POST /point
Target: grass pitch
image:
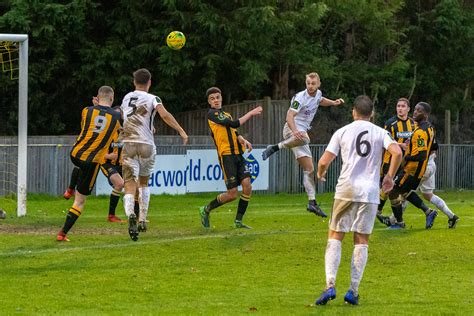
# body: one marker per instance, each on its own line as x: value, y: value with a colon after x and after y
x: 179, y: 268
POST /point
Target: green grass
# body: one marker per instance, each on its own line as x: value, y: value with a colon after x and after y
x: 179, y: 268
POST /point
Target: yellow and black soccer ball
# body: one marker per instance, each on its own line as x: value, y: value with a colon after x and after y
x: 176, y: 40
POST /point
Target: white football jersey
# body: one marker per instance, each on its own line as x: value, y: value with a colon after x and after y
x: 361, y: 144
x: 138, y: 109
x: 306, y: 107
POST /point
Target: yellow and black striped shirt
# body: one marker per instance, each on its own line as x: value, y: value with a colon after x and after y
x: 418, y: 151
x: 401, y: 130
x: 224, y: 132
x: 99, y: 126
x: 116, y: 148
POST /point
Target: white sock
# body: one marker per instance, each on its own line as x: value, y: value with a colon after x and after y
x: 144, y: 201
x: 129, y: 203
x: 359, y: 260
x: 332, y: 260
x: 309, y: 185
x: 439, y: 202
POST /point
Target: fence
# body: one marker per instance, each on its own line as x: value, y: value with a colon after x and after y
x: 49, y: 166
x: 266, y: 128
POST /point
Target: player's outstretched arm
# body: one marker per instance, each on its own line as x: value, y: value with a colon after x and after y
x: 256, y: 111
x: 169, y: 119
x: 329, y: 102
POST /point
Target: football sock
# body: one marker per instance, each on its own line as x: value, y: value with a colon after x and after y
x: 136, y: 207
x: 381, y: 205
x: 74, y: 178
x: 144, y: 200
x: 359, y: 260
x: 309, y: 185
x: 415, y: 199
x: 71, y: 218
x: 114, y: 199
x: 128, y: 202
x: 440, y: 204
x: 332, y: 260
x: 243, y: 203
x: 213, y: 204
x: 276, y: 147
x: 398, y: 212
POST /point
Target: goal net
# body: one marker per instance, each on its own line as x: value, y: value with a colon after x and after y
x: 14, y: 106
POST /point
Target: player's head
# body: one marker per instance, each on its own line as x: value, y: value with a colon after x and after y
x: 421, y: 112
x: 214, y: 97
x: 363, y: 108
x: 312, y: 83
x: 105, y: 95
x: 403, y: 107
x: 142, y: 79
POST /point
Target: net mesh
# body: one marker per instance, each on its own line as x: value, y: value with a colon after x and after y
x: 9, y: 58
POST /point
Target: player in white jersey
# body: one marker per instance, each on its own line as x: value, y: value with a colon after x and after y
x: 138, y: 109
x: 302, y: 110
x: 361, y: 144
x: 427, y: 186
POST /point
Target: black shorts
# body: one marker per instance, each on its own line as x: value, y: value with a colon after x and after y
x: 109, y: 170
x: 88, y: 175
x: 235, y: 169
x: 404, y: 183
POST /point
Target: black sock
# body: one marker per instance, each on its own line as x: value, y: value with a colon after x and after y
x: 415, y: 199
x: 114, y: 199
x: 71, y: 218
x: 213, y: 204
x: 398, y: 212
x: 136, y: 208
x: 243, y: 203
x: 381, y: 205
x: 275, y: 147
x: 76, y: 172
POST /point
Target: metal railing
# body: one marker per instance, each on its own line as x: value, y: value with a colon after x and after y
x: 49, y: 168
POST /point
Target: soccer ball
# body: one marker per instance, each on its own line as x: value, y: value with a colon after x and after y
x: 175, y: 40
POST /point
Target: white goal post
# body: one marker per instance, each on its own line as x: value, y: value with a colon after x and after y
x: 22, y: 39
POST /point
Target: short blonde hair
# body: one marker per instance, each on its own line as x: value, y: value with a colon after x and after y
x: 313, y: 75
x: 105, y: 91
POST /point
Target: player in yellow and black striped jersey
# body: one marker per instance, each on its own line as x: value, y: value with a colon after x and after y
x: 416, y: 158
x: 230, y: 147
x: 400, y: 127
x: 99, y: 126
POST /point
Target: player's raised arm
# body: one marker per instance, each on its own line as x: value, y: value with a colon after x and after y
x: 256, y: 111
x: 329, y: 102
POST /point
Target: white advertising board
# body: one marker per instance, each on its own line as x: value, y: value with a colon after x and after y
x: 197, y: 171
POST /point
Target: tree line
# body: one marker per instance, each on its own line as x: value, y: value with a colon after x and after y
x: 421, y: 50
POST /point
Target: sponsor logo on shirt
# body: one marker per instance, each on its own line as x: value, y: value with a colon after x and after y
x: 404, y: 134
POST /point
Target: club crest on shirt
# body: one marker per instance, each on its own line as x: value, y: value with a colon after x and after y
x: 420, y: 142
x: 295, y: 105
x: 221, y: 116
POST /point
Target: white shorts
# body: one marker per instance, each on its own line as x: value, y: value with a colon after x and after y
x: 138, y: 160
x: 352, y: 216
x: 300, y: 151
x: 427, y: 184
